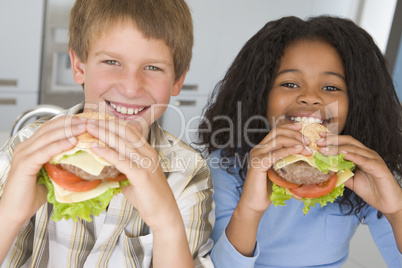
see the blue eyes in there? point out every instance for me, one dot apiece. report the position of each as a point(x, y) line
point(111, 62)
point(152, 68)
point(116, 63)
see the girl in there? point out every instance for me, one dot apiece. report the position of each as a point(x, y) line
point(330, 70)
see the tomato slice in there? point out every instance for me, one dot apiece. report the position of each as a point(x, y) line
point(69, 181)
point(121, 177)
point(316, 190)
point(278, 180)
point(55, 171)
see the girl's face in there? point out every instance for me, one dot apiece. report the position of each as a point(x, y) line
point(310, 83)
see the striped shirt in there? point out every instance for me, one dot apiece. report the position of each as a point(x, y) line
point(118, 237)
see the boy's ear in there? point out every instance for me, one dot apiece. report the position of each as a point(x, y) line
point(179, 83)
point(77, 67)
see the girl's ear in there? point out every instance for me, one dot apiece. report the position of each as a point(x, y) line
point(77, 67)
point(179, 83)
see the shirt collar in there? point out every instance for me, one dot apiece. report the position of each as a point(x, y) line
point(164, 143)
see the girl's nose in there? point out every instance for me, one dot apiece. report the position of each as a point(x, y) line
point(310, 97)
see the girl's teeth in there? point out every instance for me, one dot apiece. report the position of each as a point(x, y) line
point(130, 111)
point(306, 119)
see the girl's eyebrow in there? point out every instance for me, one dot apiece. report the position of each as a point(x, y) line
point(287, 71)
point(297, 70)
point(337, 74)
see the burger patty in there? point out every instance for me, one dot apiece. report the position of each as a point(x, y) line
point(107, 172)
point(301, 172)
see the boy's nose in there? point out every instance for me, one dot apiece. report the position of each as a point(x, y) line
point(132, 84)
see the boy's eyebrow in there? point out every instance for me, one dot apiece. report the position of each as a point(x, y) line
point(113, 55)
point(297, 70)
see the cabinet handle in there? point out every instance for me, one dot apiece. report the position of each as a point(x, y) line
point(189, 87)
point(184, 103)
point(8, 101)
point(8, 82)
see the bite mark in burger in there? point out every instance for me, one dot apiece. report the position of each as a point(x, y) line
point(79, 182)
point(311, 179)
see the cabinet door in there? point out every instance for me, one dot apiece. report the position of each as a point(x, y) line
point(12, 105)
point(21, 23)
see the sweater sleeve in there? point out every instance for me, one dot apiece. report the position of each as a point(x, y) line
point(383, 237)
point(227, 189)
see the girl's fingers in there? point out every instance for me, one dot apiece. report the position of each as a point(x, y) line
point(332, 144)
point(284, 142)
point(264, 159)
point(288, 130)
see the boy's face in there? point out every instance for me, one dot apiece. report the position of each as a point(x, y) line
point(127, 75)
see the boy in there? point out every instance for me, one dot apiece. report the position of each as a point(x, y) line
point(130, 56)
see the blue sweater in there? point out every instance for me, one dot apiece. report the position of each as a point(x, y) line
point(288, 238)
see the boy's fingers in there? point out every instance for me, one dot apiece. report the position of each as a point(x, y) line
point(53, 135)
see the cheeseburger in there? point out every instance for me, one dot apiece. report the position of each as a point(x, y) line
point(311, 179)
point(79, 182)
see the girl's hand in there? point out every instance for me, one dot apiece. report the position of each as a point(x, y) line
point(132, 155)
point(22, 197)
point(280, 142)
point(373, 181)
point(255, 198)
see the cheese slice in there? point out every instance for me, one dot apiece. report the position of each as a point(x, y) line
point(298, 157)
point(343, 176)
point(84, 160)
point(65, 196)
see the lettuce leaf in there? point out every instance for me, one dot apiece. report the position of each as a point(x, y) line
point(79, 210)
point(324, 162)
point(279, 196)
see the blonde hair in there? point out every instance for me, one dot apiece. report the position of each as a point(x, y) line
point(160, 19)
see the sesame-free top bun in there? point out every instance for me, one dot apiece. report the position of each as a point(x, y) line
point(311, 130)
point(86, 140)
point(95, 115)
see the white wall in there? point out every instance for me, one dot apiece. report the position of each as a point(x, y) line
point(377, 16)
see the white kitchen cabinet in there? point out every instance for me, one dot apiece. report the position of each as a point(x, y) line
point(12, 104)
point(183, 115)
point(21, 23)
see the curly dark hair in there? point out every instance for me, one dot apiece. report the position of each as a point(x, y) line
point(374, 113)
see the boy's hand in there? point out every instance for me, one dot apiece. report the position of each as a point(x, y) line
point(22, 197)
point(132, 155)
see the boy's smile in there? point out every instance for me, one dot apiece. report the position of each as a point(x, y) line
point(310, 84)
point(127, 75)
